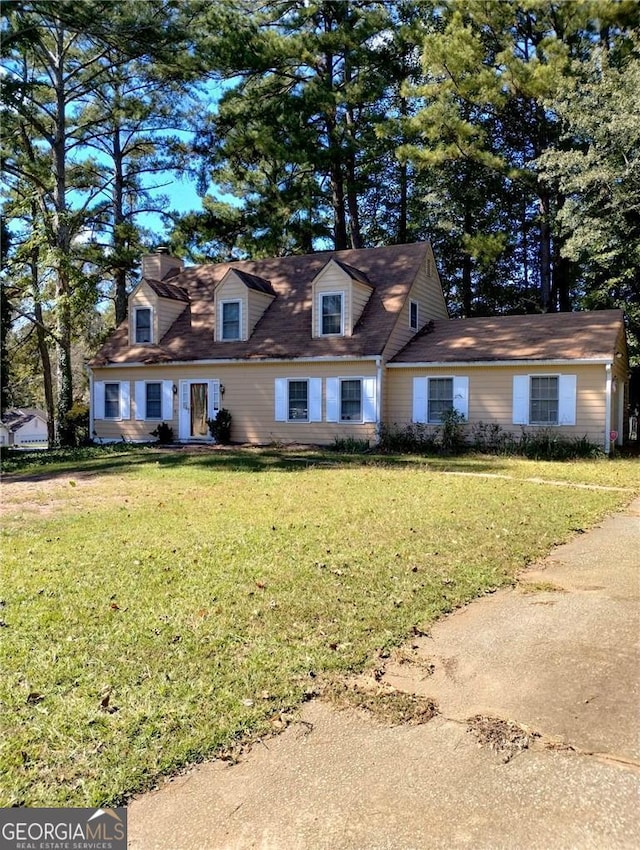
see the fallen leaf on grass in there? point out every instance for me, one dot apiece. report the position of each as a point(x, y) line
point(34, 698)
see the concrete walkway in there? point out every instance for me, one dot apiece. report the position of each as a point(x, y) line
point(536, 743)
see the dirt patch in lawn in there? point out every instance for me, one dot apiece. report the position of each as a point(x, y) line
point(38, 493)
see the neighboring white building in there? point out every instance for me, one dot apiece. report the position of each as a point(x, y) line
point(25, 426)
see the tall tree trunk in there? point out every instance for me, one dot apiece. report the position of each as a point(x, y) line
point(403, 189)
point(403, 174)
point(62, 248)
point(337, 188)
point(42, 340)
point(119, 242)
point(467, 269)
point(352, 202)
point(525, 250)
point(545, 254)
point(563, 272)
point(350, 160)
point(47, 377)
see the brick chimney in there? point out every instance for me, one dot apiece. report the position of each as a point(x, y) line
point(160, 264)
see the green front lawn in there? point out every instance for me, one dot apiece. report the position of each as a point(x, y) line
point(161, 610)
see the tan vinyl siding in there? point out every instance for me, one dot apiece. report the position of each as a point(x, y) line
point(620, 390)
point(143, 296)
point(167, 312)
point(258, 303)
point(164, 311)
point(231, 289)
point(360, 294)
point(491, 395)
point(249, 396)
point(332, 280)
point(426, 291)
point(355, 297)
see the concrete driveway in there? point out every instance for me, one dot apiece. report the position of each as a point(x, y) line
point(535, 744)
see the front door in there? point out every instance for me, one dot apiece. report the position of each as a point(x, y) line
point(198, 428)
point(199, 401)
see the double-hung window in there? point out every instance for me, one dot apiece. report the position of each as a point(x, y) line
point(331, 308)
point(298, 408)
point(351, 400)
point(298, 400)
point(440, 398)
point(230, 320)
point(153, 400)
point(434, 397)
point(112, 401)
point(142, 319)
point(543, 400)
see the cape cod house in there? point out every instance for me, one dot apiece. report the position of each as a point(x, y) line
point(304, 349)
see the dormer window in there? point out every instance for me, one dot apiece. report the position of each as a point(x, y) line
point(230, 320)
point(413, 315)
point(331, 313)
point(142, 321)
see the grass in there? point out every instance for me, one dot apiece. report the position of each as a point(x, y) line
point(161, 611)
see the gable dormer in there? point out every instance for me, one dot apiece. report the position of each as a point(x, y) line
point(424, 302)
point(154, 305)
point(240, 301)
point(339, 295)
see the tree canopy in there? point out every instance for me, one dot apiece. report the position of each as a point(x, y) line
point(506, 132)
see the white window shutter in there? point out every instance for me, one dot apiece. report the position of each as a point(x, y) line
point(333, 391)
point(567, 395)
point(282, 400)
point(214, 399)
point(125, 400)
point(167, 401)
point(98, 400)
point(461, 396)
point(520, 399)
point(141, 399)
point(369, 407)
point(419, 400)
point(315, 399)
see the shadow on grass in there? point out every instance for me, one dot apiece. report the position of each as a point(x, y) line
point(122, 458)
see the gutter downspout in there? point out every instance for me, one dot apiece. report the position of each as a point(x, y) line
point(607, 409)
point(91, 412)
point(379, 397)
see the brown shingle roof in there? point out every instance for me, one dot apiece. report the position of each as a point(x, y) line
point(550, 336)
point(168, 290)
point(254, 282)
point(284, 331)
point(354, 273)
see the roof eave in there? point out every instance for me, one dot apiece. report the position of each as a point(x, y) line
point(449, 364)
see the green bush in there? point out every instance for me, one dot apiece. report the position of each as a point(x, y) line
point(220, 427)
point(164, 433)
point(549, 445)
point(77, 424)
point(487, 438)
point(415, 438)
point(450, 433)
point(350, 446)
